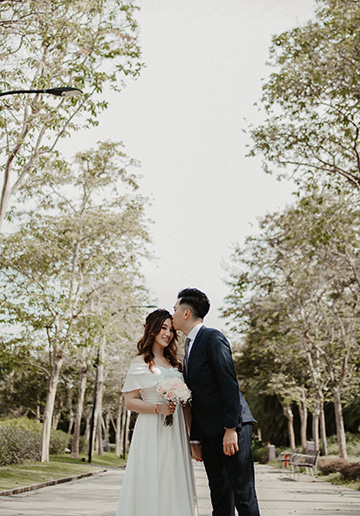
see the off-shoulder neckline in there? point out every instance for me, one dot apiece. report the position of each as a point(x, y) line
point(158, 366)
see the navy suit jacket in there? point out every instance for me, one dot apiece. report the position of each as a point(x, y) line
point(217, 402)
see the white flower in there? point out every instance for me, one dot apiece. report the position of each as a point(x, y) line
point(173, 390)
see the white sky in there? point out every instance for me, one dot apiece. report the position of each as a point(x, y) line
point(183, 120)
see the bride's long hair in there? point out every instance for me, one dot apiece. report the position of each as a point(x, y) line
point(153, 324)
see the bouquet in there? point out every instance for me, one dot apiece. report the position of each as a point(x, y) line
point(173, 390)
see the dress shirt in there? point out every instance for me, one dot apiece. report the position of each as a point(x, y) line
point(192, 336)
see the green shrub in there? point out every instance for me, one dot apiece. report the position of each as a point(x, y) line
point(18, 445)
point(83, 444)
point(59, 440)
point(351, 471)
point(332, 444)
point(261, 455)
point(352, 444)
point(20, 441)
point(22, 422)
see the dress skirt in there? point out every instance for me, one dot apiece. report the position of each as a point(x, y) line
point(159, 478)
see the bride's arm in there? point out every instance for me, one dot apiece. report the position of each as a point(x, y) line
point(134, 403)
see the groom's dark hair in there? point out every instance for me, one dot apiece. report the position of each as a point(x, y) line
point(197, 301)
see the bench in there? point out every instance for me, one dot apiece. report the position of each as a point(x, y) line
point(307, 461)
point(285, 457)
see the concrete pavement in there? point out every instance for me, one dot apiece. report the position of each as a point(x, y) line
point(278, 493)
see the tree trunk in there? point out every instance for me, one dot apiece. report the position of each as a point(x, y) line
point(55, 420)
point(324, 447)
point(5, 195)
point(340, 430)
point(71, 421)
point(107, 431)
point(56, 415)
point(49, 407)
point(99, 396)
point(99, 438)
point(38, 413)
point(123, 431)
point(319, 413)
point(303, 413)
point(79, 411)
point(71, 411)
point(87, 427)
point(127, 430)
point(118, 427)
point(315, 427)
point(290, 417)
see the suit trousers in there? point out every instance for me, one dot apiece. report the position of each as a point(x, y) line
point(231, 478)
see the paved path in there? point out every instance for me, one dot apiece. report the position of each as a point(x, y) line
point(279, 495)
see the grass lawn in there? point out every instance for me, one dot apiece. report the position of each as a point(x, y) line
point(60, 466)
point(108, 459)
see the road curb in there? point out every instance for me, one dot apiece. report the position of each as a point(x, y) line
point(33, 487)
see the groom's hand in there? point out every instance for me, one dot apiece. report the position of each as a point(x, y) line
point(230, 441)
point(196, 452)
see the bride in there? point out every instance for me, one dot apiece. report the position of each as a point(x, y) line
point(159, 479)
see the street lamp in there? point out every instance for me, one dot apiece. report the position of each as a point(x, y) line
point(66, 91)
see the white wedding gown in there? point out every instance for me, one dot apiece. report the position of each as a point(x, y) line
point(159, 478)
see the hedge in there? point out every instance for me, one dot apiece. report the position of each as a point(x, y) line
point(261, 455)
point(20, 441)
point(351, 471)
point(18, 445)
point(331, 466)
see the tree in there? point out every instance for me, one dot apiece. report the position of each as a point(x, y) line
point(55, 266)
point(312, 99)
point(270, 356)
point(88, 44)
point(298, 289)
point(113, 322)
point(22, 389)
point(84, 367)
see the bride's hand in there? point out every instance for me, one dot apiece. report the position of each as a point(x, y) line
point(196, 452)
point(166, 409)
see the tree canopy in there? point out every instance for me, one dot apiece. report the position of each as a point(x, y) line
point(75, 257)
point(88, 44)
point(295, 298)
point(312, 99)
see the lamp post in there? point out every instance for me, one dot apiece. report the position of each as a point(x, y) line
point(66, 91)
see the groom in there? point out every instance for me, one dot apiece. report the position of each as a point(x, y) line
point(221, 422)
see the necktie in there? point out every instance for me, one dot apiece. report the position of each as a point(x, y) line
point(186, 357)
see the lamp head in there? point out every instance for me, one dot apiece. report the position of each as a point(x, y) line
point(66, 91)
